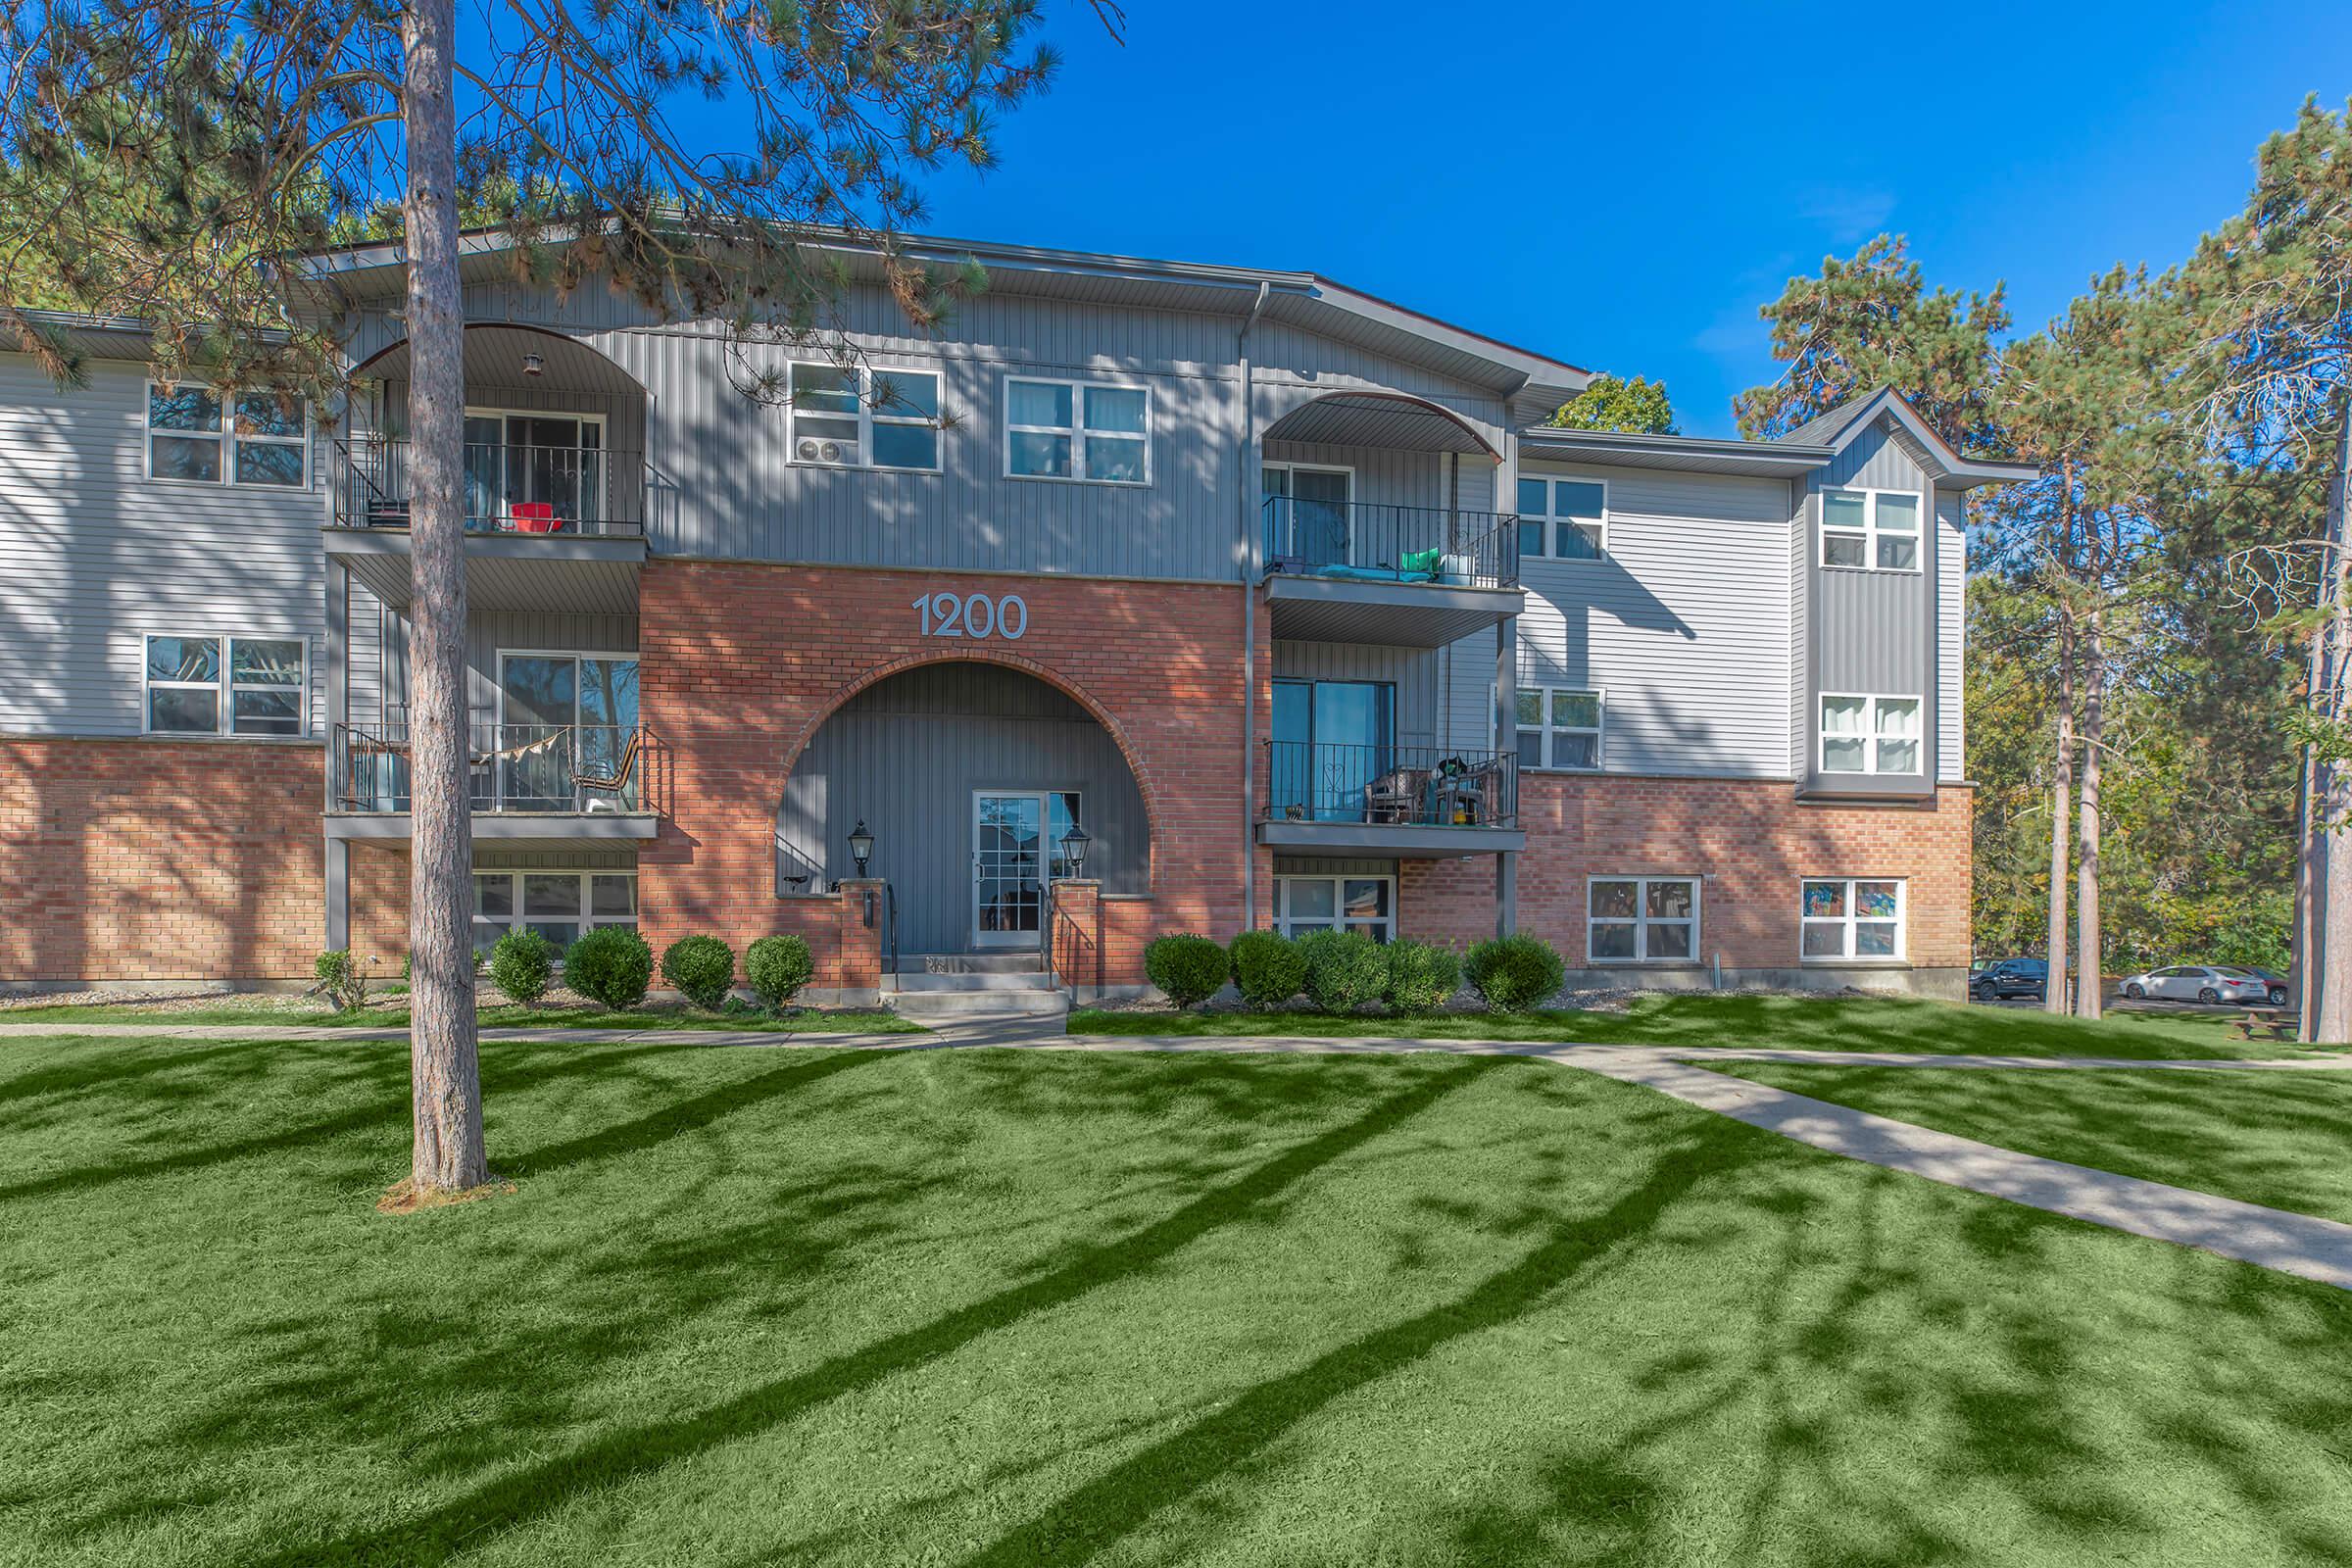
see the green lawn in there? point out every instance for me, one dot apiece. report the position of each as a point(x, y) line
point(2278, 1138)
point(503, 1015)
point(966, 1307)
point(1782, 1022)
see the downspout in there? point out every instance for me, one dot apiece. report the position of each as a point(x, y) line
point(1250, 572)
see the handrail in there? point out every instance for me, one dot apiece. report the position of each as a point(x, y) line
point(507, 488)
point(510, 768)
point(1377, 542)
point(1392, 786)
point(1056, 913)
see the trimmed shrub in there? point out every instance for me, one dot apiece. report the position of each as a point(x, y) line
point(1420, 977)
point(523, 964)
point(1188, 968)
point(1514, 972)
point(702, 968)
point(610, 965)
point(342, 978)
point(1344, 970)
point(777, 966)
point(1267, 968)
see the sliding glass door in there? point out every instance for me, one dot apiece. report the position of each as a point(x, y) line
point(1332, 738)
point(534, 471)
point(562, 717)
point(1310, 513)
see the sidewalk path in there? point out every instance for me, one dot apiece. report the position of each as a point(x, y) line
point(2301, 1244)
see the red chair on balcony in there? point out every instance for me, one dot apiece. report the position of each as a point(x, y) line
point(535, 517)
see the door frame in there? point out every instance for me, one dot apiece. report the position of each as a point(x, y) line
point(1294, 469)
point(999, 941)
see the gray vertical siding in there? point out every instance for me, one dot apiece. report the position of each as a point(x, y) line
point(99, 555)
point(905, 756)
point(1878, 631)
point(489, 632)
point(1685, 625)
point(1413, 671)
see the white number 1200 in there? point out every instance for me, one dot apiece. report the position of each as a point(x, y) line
point(976, 616)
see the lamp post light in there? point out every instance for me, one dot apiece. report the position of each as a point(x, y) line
point(1073, 849)
point(861, 846)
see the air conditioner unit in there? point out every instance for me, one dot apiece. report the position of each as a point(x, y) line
point(813, 450)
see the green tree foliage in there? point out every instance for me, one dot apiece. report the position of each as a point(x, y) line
point(1610, 403)
point(1871, 320)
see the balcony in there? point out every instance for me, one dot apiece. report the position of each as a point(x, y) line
point(567, 783)
point(1418, 802)
point(1357, 571)
point(548, 527)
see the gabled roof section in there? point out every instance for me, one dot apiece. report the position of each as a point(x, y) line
point(1302, 299)
point(1839, 428)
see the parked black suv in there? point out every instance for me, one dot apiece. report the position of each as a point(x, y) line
point(2010, 977)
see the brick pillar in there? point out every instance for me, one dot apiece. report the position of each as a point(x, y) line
point(861, 944)
point(1077, 935)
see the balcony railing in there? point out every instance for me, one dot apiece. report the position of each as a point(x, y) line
point(508, 489)
point(1373, 542)
point(510, 768)
point(1392, 786)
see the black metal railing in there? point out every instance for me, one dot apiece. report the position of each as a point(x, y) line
point(1380, 543)
point(1394, 786)
point(510, 768)
point(508, 489)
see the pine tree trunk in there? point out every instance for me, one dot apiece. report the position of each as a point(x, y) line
point(444, 1072)
point(2062, 788)
point(2090, 992)
point(2332, 809)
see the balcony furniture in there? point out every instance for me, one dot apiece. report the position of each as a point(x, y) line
point(615, 783)
point(535, 517)
point(1359, 541)
point(1394, 797)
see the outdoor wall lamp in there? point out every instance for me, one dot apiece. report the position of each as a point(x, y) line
point(533, 364)
point(861, 846)
point(1073, 848)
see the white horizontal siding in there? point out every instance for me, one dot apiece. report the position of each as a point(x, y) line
point(99, 555)
point(1687, 625)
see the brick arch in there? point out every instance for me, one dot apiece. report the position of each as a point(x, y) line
point(1137, 768)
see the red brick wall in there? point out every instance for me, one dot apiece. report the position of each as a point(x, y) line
point(147, 860)
point(1750, 839)
point(740, 663)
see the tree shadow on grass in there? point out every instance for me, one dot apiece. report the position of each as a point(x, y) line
point(542, 1488)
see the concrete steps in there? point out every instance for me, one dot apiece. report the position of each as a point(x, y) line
point(992, 986)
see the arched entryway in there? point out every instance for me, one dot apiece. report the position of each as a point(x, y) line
point(967, 774)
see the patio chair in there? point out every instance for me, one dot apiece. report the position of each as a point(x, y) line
point(1395, 795)
point(615, 782)
point(535, 517)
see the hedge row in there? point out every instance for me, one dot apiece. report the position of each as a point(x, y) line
point(1347, 972)
point(612, 967)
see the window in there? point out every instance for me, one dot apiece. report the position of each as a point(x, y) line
point(226, 686)
point(265, 440)
point(1870, 528)
point(1367, 904)
point(557, 905)
point(1642, 919)
point(1869, 734)
point(1559, 726)
point(1564, 518)
point(1851, 918)
point(1329, 740)
point(865, 418)
point(1077, 430)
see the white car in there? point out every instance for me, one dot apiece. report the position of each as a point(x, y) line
point(2199, 982)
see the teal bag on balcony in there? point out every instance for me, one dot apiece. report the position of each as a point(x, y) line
point(1423, 561)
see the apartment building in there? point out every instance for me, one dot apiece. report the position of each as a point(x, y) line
point(1143, 597)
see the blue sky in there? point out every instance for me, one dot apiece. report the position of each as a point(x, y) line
point(1622, 186)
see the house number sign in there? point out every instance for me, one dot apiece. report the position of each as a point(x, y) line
point(946, 615)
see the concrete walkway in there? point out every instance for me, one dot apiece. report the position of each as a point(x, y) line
point(2300, 1244)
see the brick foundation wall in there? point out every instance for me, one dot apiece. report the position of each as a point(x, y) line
point(148, 860)
point(1749, 840)
point(739, 664)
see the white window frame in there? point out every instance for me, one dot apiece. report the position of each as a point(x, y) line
point(226, 686)
point(576, 655)
point(1850, 919)
point(1554, 520)
point(1873, 733)
point(1295, 470)
point(228, 438)
point(1284, 922)
point(588, 920)
point(1600, 730)
point(1077, 431)
point(1643, 920)
point(1871, 531)
point(868, 415)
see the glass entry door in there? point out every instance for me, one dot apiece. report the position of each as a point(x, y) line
point(1009, 889)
